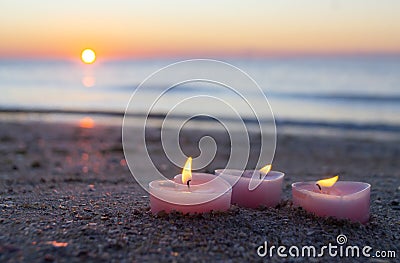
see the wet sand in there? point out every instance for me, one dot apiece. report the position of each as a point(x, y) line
point(66, 195)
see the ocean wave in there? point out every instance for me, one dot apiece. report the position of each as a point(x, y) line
point(389, 98)
point(280, 122)
point(339, 97)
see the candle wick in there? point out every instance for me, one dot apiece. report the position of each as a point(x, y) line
point(319, 187)
point(261, 175)
point(188, 183)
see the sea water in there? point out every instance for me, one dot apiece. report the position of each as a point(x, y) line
point(357, 91)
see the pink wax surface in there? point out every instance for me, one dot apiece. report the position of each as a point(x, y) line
point(343, 200)
point(206, 193)
point(267, 193)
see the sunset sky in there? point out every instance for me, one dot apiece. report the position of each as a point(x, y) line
point(47, 28)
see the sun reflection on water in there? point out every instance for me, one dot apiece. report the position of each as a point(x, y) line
point(87, 123)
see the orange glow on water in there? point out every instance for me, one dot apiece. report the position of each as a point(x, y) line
point(86, 122)
point(88, 81)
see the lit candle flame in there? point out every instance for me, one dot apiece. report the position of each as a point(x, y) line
point(187, 171)
point(328, 182)
point(266, 168)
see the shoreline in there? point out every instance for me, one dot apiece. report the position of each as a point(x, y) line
point(41, 113)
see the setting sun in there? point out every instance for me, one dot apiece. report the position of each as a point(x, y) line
point(88, 56)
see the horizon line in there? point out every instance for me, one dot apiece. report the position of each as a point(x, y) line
point(239, 55)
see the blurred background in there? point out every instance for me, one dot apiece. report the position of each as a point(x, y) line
point(321, 63)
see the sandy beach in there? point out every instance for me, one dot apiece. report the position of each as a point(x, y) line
point(67, 195)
